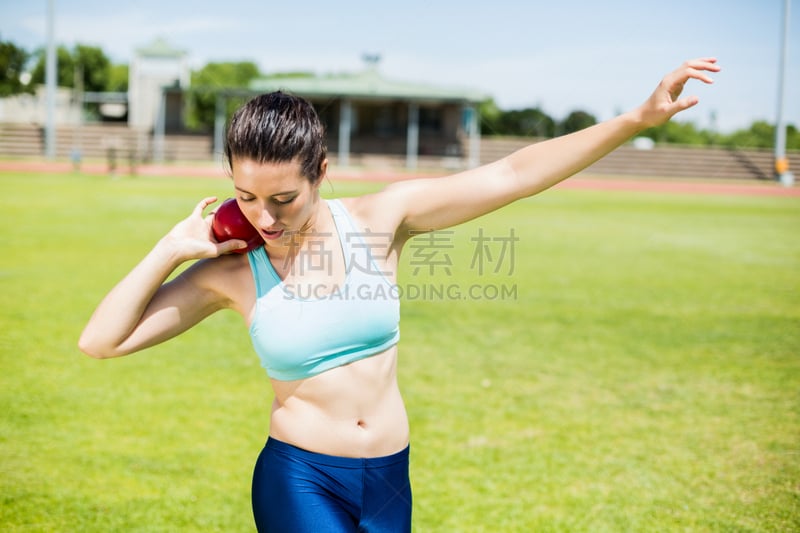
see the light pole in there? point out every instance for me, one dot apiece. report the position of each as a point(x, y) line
point(50, 83)
point(781, 161)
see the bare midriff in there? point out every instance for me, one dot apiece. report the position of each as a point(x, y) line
point(355, 410)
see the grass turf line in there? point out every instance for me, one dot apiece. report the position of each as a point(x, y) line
point(645, 376)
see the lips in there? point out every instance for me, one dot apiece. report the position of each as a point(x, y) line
point(272, 235)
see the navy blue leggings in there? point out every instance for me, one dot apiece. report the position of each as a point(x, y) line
point(297, 491)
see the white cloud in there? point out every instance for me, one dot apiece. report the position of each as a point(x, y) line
point(120, 33)
point(606, 61)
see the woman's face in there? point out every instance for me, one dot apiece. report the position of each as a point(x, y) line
point(275, 197)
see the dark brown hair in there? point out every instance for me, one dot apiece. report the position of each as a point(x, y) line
point(277, 128)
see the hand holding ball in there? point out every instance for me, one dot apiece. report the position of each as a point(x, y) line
point(229, 223)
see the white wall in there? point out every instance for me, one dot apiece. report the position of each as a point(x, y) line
point(32, 108)
point(147, 75)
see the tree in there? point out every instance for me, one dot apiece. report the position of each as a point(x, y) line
point(90, 60)
point(489, 114)
point(65, 71)
point(576, 121)
point(207, 82)
point(95, 66)
point(118, 79)
point(676, 132)
point(761, 134)
point(523, 122)
point(12, 64)
point(792, 138)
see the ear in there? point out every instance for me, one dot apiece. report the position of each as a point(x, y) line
point(323, 172)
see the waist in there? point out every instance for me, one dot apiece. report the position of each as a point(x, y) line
point(353, 411)
point(356, 438)
point(336, 460)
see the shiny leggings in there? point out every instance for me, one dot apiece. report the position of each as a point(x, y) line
point(298, 491)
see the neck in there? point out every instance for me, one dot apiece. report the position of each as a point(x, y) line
point(290, 244)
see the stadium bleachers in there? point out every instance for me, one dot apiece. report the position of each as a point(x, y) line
point(665, 161)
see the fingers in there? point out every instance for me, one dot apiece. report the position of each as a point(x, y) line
point(232, 245)
point(696, 69)
point(698, 75)
point(708, 63)
point(205, 202)
point(685, 103)
point(666, 100)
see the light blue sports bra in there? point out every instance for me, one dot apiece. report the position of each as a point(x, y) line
point(298, 337)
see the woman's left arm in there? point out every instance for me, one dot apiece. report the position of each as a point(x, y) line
point(437, 203)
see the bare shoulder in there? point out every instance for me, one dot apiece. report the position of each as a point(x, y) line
point(418, 205)
point(380, 211)
point(228, 277)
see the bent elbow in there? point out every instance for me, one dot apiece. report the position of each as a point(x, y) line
point(91, 351)
point(94, 349)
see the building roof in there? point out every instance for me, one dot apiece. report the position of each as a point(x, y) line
point(367, 84)
point(159, 47)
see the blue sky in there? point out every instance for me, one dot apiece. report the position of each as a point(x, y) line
point(561, 55)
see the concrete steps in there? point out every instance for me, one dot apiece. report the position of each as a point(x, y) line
point(98, 140)
point(664, 160)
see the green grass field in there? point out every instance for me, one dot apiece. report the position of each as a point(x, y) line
point(642, 372)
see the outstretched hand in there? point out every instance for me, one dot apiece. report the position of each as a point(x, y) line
point(665, 101)
point(193, 237)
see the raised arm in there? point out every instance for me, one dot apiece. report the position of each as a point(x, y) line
point(437, 203)
point(142, 310)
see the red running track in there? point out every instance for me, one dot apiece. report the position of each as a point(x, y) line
point(578, 182)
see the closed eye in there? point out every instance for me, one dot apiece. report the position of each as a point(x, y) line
point(284, 202)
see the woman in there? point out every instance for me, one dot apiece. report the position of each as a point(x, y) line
point(337, 454)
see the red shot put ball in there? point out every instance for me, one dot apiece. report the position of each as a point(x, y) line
point(229, 223)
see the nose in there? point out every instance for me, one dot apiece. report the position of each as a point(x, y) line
point(265, 218)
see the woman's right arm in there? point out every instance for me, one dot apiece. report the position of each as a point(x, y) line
point(142, 310)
